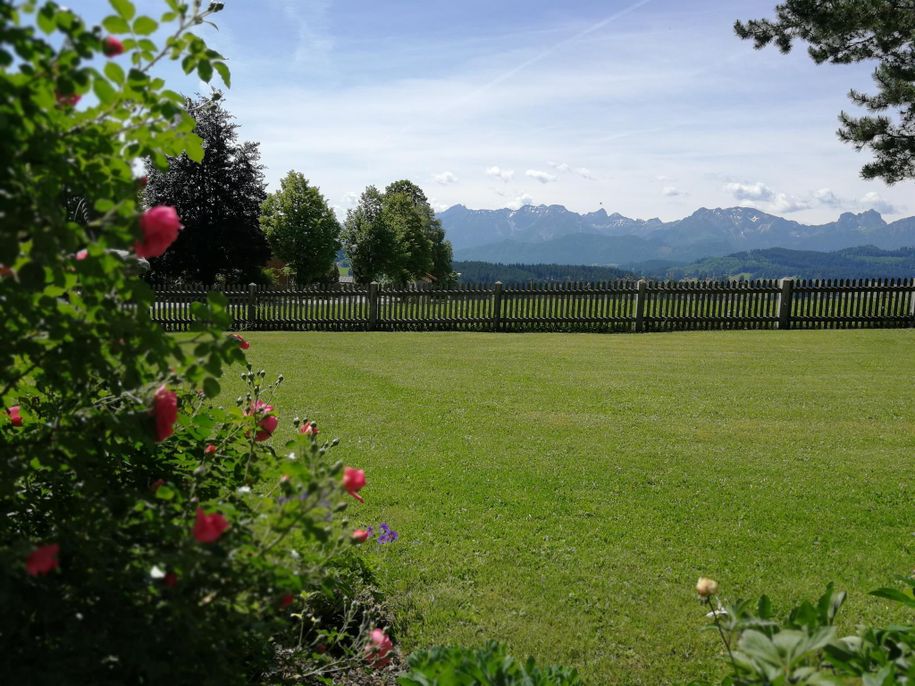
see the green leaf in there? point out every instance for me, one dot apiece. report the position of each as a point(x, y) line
point(894, 594)
point(144, 26)
point(123, 7)
point(165, 492)
point(103, 91)
point(46, 20)
point(116, 25)
point(114, 72)
point(223, 73)
point(211, 387)
point(205, 70)
point(194, 147)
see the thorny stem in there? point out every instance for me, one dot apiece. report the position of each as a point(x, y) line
point(727, 643)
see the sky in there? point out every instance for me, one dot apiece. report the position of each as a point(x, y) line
point(650, 108)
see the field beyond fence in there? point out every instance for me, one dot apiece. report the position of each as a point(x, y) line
point(622, 306)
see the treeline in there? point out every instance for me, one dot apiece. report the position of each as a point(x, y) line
point(489, 272)
point(866, 262)
point(233, 228)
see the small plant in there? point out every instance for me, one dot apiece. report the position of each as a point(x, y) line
point(489, 665)
point(804, 647)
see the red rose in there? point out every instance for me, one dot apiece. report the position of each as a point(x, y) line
point(360, 536)
point(15, 417)
point(170, 579)
point(286, 601)
point(112, 47)
point(160, 226)
point(42, 560)
point(377, 649)
point(165, 412)
point(353, 482)
point(210, 449)
point(208, 528)
point(242, 343)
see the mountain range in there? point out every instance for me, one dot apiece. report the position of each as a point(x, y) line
point(553, 234)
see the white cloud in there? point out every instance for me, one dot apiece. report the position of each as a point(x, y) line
point(827, 198)
point(584, 173)
point(520, 201)
point(788, 203)
point(505, 174)
point(445, 178)
point(541, 176)
point(560, 166)
point(874, 201)
point(672, 192)
point(751, 191)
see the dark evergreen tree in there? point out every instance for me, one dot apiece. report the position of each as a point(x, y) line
point(218, 201)
point(847, 31)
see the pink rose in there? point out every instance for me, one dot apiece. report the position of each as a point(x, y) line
point(160, 226)
point(242, 343)
point(309, 429)
point(360, 536)
point(112, 47)
point(268, 424)
point(42, 560)
point(165, 412)
point(353, 482)
point(15, 417)
point(68, 99)
point(208, 528)
point(377, 649)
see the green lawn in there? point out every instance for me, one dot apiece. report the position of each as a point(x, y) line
point(563, 492)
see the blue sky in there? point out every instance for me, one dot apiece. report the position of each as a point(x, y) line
point(644, 107)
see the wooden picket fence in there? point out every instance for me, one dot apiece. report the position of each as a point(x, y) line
point(638, 306)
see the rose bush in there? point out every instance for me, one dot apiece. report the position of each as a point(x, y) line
point(146, 535)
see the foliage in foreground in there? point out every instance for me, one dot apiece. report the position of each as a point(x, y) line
point(849, 31)
point(804, 648)
point(149, 535)
point(489, 665)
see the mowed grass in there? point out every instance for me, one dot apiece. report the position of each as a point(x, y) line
point(562, 493)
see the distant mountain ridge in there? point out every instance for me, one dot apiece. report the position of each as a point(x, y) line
point(555, 235)
point(864, 262)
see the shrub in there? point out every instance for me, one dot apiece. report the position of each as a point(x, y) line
point(149, 534)
point(489, 665)
point(804, 647)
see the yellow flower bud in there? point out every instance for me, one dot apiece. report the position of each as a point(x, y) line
point(706, 587)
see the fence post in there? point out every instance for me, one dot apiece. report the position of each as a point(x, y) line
point(497, 306)
point(785, 298)
point(251, 317)
point(640, 306)
point(373, 305)
point(912, 305)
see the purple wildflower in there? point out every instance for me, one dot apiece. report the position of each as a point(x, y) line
point(387, 535)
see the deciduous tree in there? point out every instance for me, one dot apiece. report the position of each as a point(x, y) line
point(301, 228)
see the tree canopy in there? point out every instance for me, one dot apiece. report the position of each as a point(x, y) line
point(395, 235)
point(218, 199)
point(301, 228)
point(848, 31)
